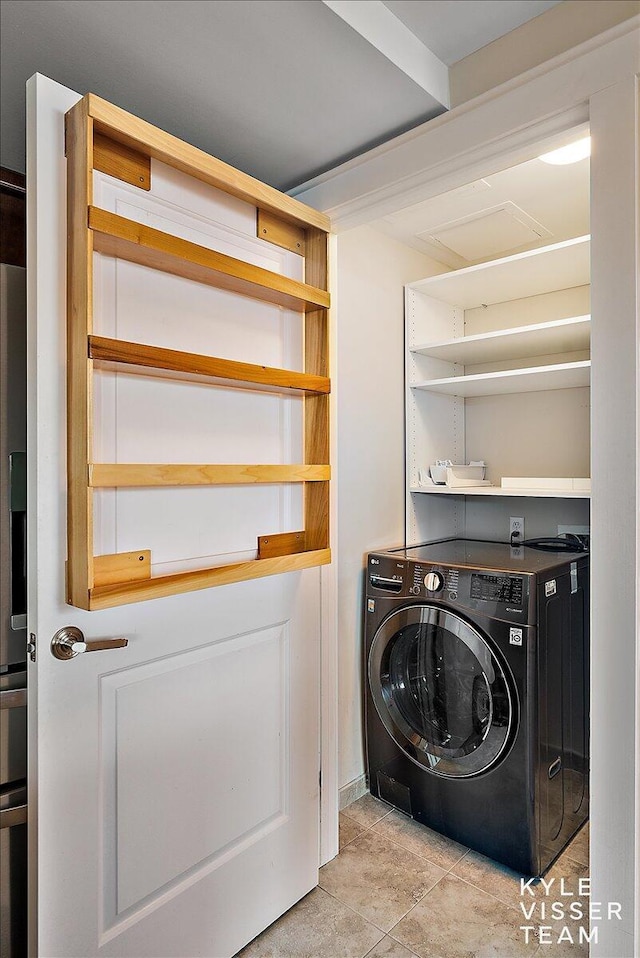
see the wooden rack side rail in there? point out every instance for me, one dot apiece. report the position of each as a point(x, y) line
point(127, 239)
point(162, 362)
point(316, 407)
point(100, 136)
point(79, 145)
point(104, 475)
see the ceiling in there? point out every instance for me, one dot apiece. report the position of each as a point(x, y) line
point(532, 204)
point(282, 89)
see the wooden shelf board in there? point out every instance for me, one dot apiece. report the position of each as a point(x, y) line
point(142, 136)
point(531, 379)
point(105, 597)
point(121, 475)
point(539, 339)
point(536, 271)
point(534, 493)
point(174, 364)
point(118, 236)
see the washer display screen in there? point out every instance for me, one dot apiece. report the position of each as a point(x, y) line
point(497, 588)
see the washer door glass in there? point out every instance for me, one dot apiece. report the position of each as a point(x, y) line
point(441, 692)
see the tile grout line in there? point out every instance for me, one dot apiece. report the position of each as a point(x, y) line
point(366, 827)
point(391, 841)
point(387, 935)
point(449, 871)
point(382, 840)
point(446, 872)
point(361, 917)
point(485, 892)
point(471, 885)
point(423, 857)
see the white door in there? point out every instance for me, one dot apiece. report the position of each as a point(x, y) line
point(174, 782)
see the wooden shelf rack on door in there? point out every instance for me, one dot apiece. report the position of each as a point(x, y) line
point(103, 137)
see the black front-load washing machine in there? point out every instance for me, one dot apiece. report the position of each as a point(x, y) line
point(477, 708)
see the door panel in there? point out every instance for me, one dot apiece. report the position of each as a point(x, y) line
point(149, 713)
point(200, 423)
point(174, 782)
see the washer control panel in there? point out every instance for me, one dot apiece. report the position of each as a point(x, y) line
point(434, 582)
point(498, 594)
point(388, 575)
point(439, 582)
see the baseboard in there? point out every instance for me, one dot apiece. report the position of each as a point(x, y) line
point(353, 791)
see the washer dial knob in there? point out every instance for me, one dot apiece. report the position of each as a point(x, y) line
point(433, 581)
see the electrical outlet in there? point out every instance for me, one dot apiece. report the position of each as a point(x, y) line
point(516, 529)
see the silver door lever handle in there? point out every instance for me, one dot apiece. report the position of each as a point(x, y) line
point(70, 641)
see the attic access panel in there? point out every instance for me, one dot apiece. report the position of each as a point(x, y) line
point(486, 233)
point(101, 136)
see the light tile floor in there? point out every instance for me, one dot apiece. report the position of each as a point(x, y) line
point(400, 890)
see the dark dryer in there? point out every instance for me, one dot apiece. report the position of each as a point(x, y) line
point(477, 700)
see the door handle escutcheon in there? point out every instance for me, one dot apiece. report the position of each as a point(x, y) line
point(70, 641)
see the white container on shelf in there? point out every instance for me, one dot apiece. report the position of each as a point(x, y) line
point(457, 475)
point(465, 475)
point(438, 474)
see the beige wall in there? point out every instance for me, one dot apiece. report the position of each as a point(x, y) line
point(552, 33)
point(372, 269)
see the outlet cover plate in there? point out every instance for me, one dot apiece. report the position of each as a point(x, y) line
point(516, 528)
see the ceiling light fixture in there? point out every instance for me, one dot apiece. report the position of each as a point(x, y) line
point(571, 153)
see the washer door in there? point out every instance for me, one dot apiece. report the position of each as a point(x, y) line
point(440, 691)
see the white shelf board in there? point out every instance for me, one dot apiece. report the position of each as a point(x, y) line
point(538, 339)
point(536, 271)
point(501, 491)
point(529, 379)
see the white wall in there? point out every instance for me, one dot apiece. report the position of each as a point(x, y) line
point(615, 652)
point(372, 269)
